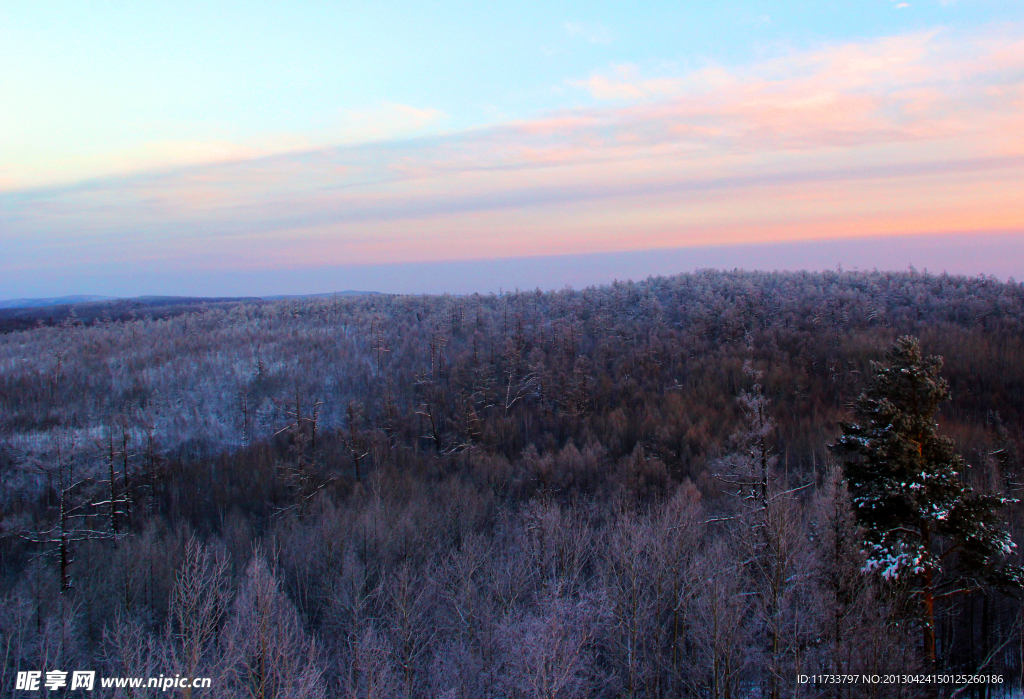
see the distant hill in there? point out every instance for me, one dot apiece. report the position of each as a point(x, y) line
point(13, 318)
point(23, 314)
point(322, 296)
point(56, 301)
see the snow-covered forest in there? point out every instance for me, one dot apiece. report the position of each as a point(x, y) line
point(622, 491)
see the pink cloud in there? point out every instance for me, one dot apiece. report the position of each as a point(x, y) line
point(901, 88)
point(626, 85)
point(924, 85)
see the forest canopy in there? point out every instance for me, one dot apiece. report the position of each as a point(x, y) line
point(519, 494)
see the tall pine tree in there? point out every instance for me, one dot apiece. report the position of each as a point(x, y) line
point(923, 525)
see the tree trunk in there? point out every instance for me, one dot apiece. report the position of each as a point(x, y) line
point(929, 603)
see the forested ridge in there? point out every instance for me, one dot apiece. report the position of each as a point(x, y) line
point(518, 495)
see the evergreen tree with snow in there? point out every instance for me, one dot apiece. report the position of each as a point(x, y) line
point(923, 525)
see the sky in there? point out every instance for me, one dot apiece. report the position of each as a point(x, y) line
point(222, 148)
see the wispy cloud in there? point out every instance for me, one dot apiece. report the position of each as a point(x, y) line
point(624, 83)
point(915, 133)
point(595, 34)
point(386, 121)
point(380, 122)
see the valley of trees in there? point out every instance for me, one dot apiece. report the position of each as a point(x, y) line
point(636, 490)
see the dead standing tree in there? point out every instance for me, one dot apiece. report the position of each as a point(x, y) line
point(354, 438)
point(118, 485)
point(151, 466)
point(378, 343)
point(302, 474)
point(430, 409)
point(74, 511)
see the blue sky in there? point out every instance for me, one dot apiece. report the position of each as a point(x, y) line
point(210, 141)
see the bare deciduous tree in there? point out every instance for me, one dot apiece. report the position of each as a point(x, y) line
point(267, 653)
point(199, 605)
